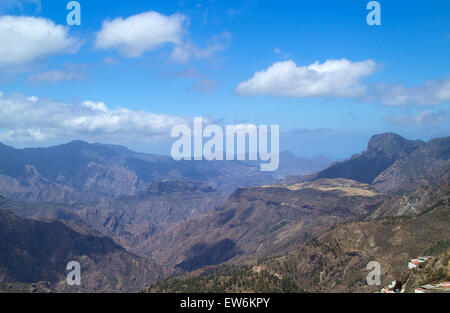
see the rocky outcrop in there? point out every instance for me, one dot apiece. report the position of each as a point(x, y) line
point(382, 151)
point(420, 163)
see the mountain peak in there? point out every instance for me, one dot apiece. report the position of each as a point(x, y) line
point(383, 150)
point(380, 139)
point(78, 143)
point(392, 144)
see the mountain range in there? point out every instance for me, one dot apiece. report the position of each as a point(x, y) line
point(79, 172)
point(187, 225)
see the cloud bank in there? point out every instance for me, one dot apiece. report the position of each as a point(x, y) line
point(140, 33)
point(25, 39)
point(341, 79)
point(423, 119)
point(432, 92)
point(30, 119)
point(333, 78)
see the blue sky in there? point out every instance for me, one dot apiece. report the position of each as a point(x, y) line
point(204, 62)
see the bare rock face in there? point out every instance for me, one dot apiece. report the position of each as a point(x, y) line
point(392, 145)
point(382, 151)
point(177, 186)
point(34, 187)
point(422, 162)
point(131, 220)
point(413, 197)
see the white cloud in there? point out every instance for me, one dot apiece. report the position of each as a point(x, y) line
point(95, 106)
point(24, 136)
point(140, 33)
point(37, 119)
point(333, 78)
point(25, 39)
point(149, 31)
point(430, 93)
point(424, 119)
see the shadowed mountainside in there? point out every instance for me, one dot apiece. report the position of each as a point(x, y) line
point(130, 219)
point(35, 251)
point(382, 151)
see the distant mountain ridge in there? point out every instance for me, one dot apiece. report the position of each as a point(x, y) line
point(79, 172)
